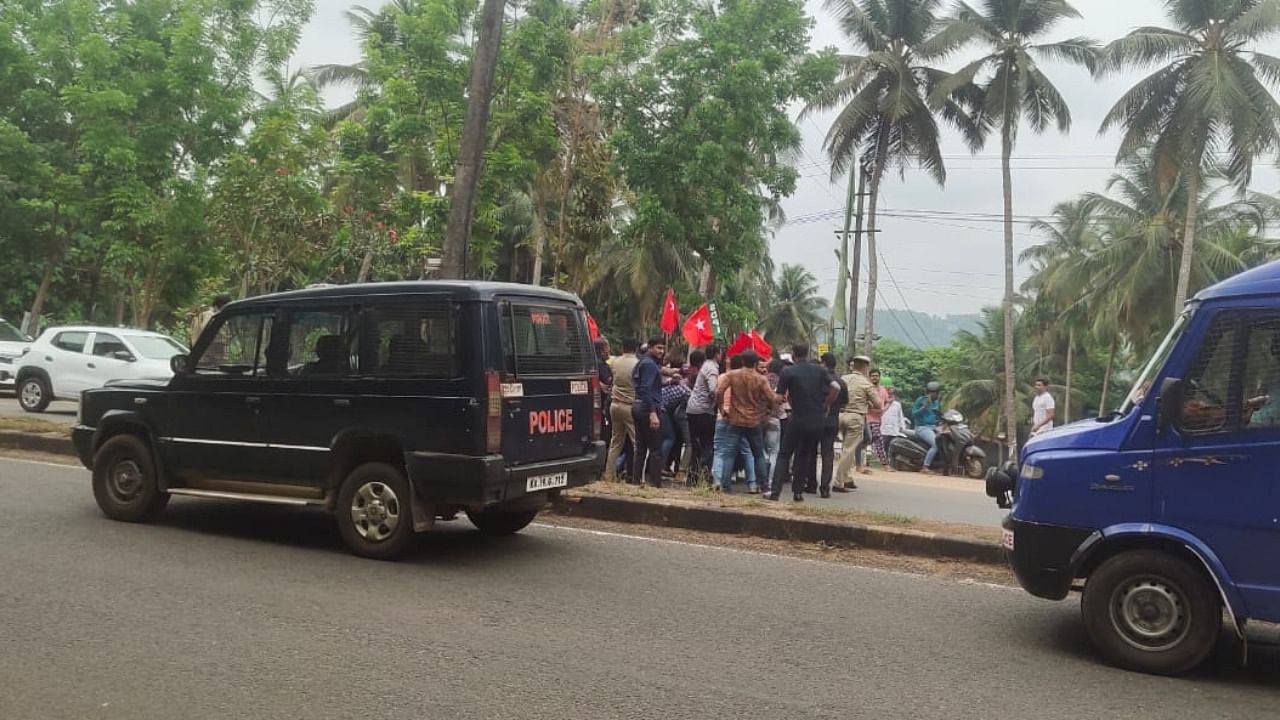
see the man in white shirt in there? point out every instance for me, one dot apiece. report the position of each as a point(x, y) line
point(1042, 408)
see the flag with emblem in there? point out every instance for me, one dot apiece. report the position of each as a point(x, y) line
point(697, 328)
point(670, 313)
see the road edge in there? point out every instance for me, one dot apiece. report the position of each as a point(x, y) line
point(35, 442)
point(731, 521)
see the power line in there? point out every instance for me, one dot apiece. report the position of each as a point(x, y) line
point(889, 271)
point(894, 314)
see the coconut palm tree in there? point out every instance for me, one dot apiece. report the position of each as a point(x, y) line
point(1211, 97)
point(796, 310)
point(885, 111)
point(1015, 89)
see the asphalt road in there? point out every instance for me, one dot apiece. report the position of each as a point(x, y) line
point(958, 500)
point(223, 610)
point(59, 412)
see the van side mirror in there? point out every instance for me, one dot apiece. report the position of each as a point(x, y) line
point(179, 364)
point(1169, 403)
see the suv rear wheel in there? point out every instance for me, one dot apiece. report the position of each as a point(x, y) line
point(125, 482)
point(1152, 612)
point(497, 523)
point(374, 511)
point(34, 394)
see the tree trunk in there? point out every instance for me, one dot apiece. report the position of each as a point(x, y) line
point(855, 276)
point(1010, 372)
point(366, 266)
point(1106, 376)
point(873, 267)
point(42, 293)
point(118, 320)
point(838, 310)
point(1066, 403)
point(472, 145)
point(1188, 240)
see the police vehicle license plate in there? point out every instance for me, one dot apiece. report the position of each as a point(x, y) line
point(1006, 539)
point(546, 482)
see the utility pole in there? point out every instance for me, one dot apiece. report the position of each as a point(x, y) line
point(838, 316)
point(475, 130)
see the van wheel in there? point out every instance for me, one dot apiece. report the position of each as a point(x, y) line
point(497, 523)
point(1152, 612)
point(34, 394)
point(374, 512)
point(124, 480)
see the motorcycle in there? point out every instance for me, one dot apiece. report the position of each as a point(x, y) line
point(957, 453)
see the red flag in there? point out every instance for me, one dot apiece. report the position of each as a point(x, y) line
point(762, 348)
point(670, 313)
point(591, 325)
point(742, 344)
point(697, 328)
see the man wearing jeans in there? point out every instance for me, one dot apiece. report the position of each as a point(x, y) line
point(648, 415)
point(745, 400)
point(925, 415)
point(701, 411)
point(811, 390)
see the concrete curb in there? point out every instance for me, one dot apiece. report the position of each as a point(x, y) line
point(729, 521)
point(738, 522)
point(35, 442)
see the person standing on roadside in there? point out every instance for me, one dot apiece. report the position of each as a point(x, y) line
point(831, 427)
point(648, 415)
point(624, 397)
point(863, 397)
point(811, 391)
point(1042, 408)
point(891, 426)
point(746, 400)
point(605, 375)
point(701, 411)
point(925, 415)
point(772, 424)
point(872, 433)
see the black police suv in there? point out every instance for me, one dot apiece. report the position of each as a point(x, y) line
point(391, 404)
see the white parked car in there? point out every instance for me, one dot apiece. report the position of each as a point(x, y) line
point(65, 361)
point(13, 343)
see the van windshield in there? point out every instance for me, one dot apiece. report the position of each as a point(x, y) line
point(1143, 384)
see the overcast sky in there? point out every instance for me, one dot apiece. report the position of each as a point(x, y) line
point(943, 247)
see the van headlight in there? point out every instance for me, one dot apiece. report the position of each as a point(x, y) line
point(1031, 472)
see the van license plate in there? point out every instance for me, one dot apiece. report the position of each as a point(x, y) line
point(1006, 539)
point(546, 482)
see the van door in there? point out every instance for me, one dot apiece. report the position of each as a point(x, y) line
point(547, 380)
point(1216, 468)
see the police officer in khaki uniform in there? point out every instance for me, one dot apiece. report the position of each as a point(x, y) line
point(863, 396)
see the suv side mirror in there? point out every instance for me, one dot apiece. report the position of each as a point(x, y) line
point(1169, 403)
point(124, 355)
point(179, 364)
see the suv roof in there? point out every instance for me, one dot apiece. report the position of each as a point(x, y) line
point(100, 328)
point(453, 289)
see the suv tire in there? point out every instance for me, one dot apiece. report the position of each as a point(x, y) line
point(34, 394)
point(125, 480)
point(498, 523)
point(375, 514)
point(1151, 612)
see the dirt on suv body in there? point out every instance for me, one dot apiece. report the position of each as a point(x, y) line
point(392, 404)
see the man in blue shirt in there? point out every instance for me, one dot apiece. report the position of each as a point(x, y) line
point(925, 415)
point(646, 464)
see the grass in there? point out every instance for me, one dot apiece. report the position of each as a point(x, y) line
point(32, 425)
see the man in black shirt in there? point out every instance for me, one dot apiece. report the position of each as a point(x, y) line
point(811, 392)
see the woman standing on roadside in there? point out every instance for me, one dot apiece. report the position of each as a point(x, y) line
point(874, 417)
point(889, 427)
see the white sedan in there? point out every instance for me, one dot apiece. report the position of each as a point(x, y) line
point(65, 361)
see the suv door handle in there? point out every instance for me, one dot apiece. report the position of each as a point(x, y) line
point(92, 365)
point(48, 358)
point(253, 401)
point(342, 402)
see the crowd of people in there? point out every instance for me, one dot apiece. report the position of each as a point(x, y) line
point(763, 422)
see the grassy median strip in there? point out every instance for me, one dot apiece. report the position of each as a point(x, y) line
point(33, 425)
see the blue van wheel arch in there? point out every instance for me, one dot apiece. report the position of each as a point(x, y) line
point(1112, 541)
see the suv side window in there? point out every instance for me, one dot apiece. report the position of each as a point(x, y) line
point(105, 345)
point(1210, 379)
point(238, 347)
point(71, 341)
point(544, 340)
point(322, 343)
point(411, 340)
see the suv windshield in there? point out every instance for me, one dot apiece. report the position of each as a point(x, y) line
point(9, 333)
point(1140, 387)
point(155, 348)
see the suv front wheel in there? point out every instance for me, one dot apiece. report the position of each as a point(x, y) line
point(374, 511)
point(34, 394)
point(124, 480)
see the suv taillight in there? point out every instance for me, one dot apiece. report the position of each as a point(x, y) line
point(493, 413)
point(597, 408)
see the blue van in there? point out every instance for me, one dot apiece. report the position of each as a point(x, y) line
point(1166, 511)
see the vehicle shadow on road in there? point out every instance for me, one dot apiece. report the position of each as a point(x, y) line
point(1063, 634)
point(450, 543)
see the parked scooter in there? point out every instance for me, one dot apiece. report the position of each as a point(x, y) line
point(957, 453)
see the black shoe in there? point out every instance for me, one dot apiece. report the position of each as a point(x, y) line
point(799, 497)
point(772, 496)
point(840, 488)
point(811, 489)
point(825, 494)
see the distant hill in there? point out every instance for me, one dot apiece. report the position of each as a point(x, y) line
point(916, 328)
